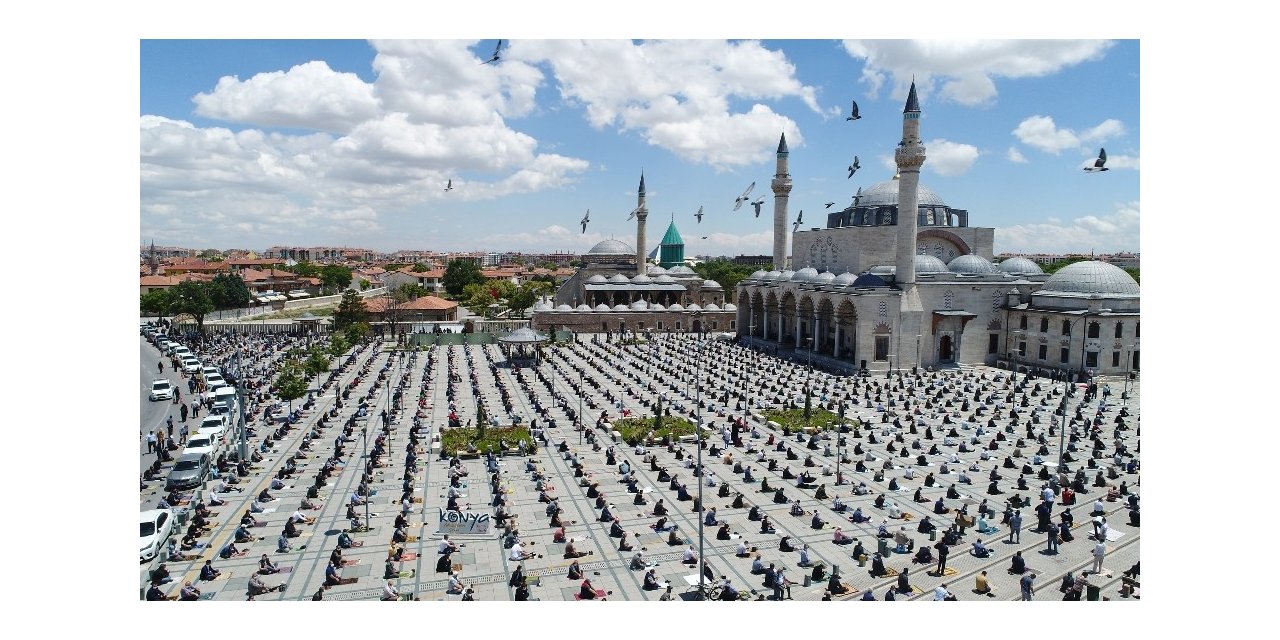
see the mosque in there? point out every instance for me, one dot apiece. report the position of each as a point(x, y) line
point(878, 291)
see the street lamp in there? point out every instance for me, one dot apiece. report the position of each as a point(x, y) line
point(808, 385)
point(1128, 357)
point(244, 436)
point(702, 477)
point(918, 351)
point(1017, 335)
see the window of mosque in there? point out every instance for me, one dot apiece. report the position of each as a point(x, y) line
point(678, 327)
point(604, 327)
point(1064, 355)
point(1044, 325)
point(1022, 349)
point(1115, 358)
point(733, 325)
point(1119, 329)
point(659, 325)
point(993, 342)
point(1066, 327)
point(1137, 329)
point(882, 348)
point(1094, 329)
point(1022, 322)
point(1091, 359)
point(1044, 352)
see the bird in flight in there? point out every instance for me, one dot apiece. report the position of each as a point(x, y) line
point(449, 185)
point(853, 168)
point(828, 205)
point(737, 203)
point(698, 215)
point(854, 115)
point(756, 204)
point(585, 220)
point(705, 237)
point(799, 220)
point(1098, 164)
point(496, 54)
point(633, 213)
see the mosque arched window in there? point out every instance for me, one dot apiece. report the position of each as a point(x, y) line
point(1044, 325)
point(1094, 329)
point(1066, 327)
point(1022, 322)
point(1119, 329)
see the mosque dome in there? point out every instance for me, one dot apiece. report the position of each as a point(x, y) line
point(1090, 277)
point(564, 307)
point(682, 270)
point(655, 270)
point(869, 281)
point(612, 247)
point(693, 307)
point(657, 307)
point(711, 307)
point(806, 274)
point(583, 307)
point(597, 279)
point(602, 307)
point(929, 264)
point(1021, 266)
point(711, 284)
point(675, 307)
point(618, 278)
point(664, 279)
point(639, 305)
point(823, 279)
point(883, 270)
point(843, 280)
point(729, 306)
point(785, 275)
point(757, 275)
point(972, 264)
point(641, 279)
point(886, 193)
point(771, 276)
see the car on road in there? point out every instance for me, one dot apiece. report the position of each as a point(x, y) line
point(190, 364)
point(156, 526)
point(188, 472)
point(212, 421)
point(161, 389)
point(209, 371)
point(203, 443)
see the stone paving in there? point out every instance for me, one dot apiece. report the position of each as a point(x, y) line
point(609, 377)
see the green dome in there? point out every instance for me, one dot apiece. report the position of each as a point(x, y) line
point(672, 248)
point(673, 236)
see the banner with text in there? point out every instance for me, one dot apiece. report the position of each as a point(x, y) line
point(466, 523)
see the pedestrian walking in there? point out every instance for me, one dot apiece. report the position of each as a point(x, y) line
point(182, 409)
point(1028, 585)
point(1015, 526)
point(1099, 552)
point(151, 443)
point(943, 550)
point(1052, 540)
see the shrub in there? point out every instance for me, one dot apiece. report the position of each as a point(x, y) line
point(634, 430)
point(456, 440)
point(792, 420)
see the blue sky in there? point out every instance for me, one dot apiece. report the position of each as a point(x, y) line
point(251, 143)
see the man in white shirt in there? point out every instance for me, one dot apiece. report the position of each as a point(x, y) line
point(1099, 552)
point(447, 545)
point(390, 592)
point(518, 553)
point(940, 592)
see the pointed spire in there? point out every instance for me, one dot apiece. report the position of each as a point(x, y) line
point(642, 182)
point(913, 103)
point(782, 144)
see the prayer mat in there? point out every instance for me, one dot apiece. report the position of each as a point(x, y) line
point(208, 596)
point(350, 561)
point(949, 571)
point(348, 581)
point(409, 556)
point(285, 569)
point(408, 573)
point(412, 539)
point(889, 572)
point(457, 568)
point(916, 590)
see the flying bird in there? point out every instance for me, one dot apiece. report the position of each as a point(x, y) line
point(757, 204)
point(496, 54)
point(799, 220)
point(705, 237)
point(857, 196)
point(853, 168)
point(1098, 164)
point(737, 203)
point(854, 115)
point(633, 213)
point(828, 205)
point(449, 185)
point(585, 220)
point(698, 215)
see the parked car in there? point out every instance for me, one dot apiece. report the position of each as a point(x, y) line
point(202, 444)
point(190, 364)
point(189, 472)
point(205, 372)
point(156, 526)
point(161, 389)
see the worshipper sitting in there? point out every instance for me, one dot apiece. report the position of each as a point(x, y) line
point(754, 513)
point(785, 544)
point(903, 541)
point(895, 512)
point(924, 555)
point(919, 496)
point(980, 550)
point(857, 516)
point(839, 537)
point(796, 509)
point(926, 526)
point(1017, 565)
point(816, 522)
point(939, 507)
point(766, 526)
point(877, 566)
point(984, 527)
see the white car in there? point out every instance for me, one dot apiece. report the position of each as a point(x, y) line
point(209, 371)
point(161, 389)
point(217, 432)
point(203, 443)
point(156, 525)
point(213, 381)
point(212, 421)
point(190, 365)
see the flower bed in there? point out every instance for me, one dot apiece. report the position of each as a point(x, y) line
point(634, 430)
point(792, 420)
point(455, 440)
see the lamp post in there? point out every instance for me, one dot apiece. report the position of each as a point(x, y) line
point(918, 363)
point(244, 436)
point(1128, 357)
point(808, 382)
point(1017, 335)
point(702, 478)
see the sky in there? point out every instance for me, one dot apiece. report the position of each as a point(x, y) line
point(253, 143)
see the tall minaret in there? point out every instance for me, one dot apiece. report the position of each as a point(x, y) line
point(641, 214)
point(909, 156)
point(781, 193)
point(152, 262)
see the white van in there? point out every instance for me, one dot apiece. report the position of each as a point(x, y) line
point(227, 394)
point(182, 352)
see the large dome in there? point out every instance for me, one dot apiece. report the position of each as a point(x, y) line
point(1091, 276)
point(1021, 266)
point(929, 264)
point(612, 247)
point(972, 264)
point(886, 193)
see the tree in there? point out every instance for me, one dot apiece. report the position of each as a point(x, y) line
point(409, 291)
point(459, 274)
point(211, 255)
point(191, 298)
point(317, 361)
point(365, 284)
point(418, 267)
point(350, 311)
point(335, 277)
point(228, 291)
point(338, 345)
point(290, 385)
point(523, 298)
point(356, 332)
point(477, 297)
point(726, 272)
point(306, 270)
point(156, 301)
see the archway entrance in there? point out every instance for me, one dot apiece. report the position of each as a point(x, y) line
point(944, 349)
point(697, 326)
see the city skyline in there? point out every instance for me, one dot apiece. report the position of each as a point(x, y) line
point(349, 143)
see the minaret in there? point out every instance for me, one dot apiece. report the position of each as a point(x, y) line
point(909, 156)
point(641, 214)
point(781, 193)
point(151, 260)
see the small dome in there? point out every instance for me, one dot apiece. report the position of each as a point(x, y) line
point(1091, 276)
point(693, 307)
point(823, 278)
point(641, 279)
point(565, 307)
point(639, 305)
point(972, 264)
point(786, 275)
point(711, 307)
point(771, 276)
point(655, 270)
point(541, 306)
point(1021, 266)
point(582, 307)
point(806, 274)
point(620, 307)
point(869, 281)
point(729, 306)
point(682, 270)
point(618, 278)
point(757, 275)
point(657, 307)
point(884, 270)
point(597, 279)
point(843, 280)
point(664, 279)
point(929, 264)
point(602, 307)
point(612, 247)
point(675, 307)
point(711, 284)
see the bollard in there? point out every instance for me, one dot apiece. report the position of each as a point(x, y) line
point(933, 535)
point(1092, 592)
point(862, 560)
point(882, 545)
point(807, 581)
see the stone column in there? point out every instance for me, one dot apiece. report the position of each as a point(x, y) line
point(797, 329)
point(835, 349)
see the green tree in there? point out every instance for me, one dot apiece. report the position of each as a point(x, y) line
point(317, 362)
point(338, 345)
point(548, 265)
point(335, 277)
point(418, 267)
point(459, 274)
point(477, 297)
point(365, 284)
point(156, 301)
point(356, 332)
point(306, 270)
point(523, 297)
point(725, 272)
point(350, 311)
point(290, 385)
point(211, 255)
point(409, 291)
point(191, 298)
point(1054, 266)
point(228, 291)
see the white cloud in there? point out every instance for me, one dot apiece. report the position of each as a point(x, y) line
point(308, 96)
point(947, 158)
point(1115, 231)
point(1042, 133)
point(966, 69)
point(553, 237)
point(732, 244)
point(1013, 155)
point(677, 94)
